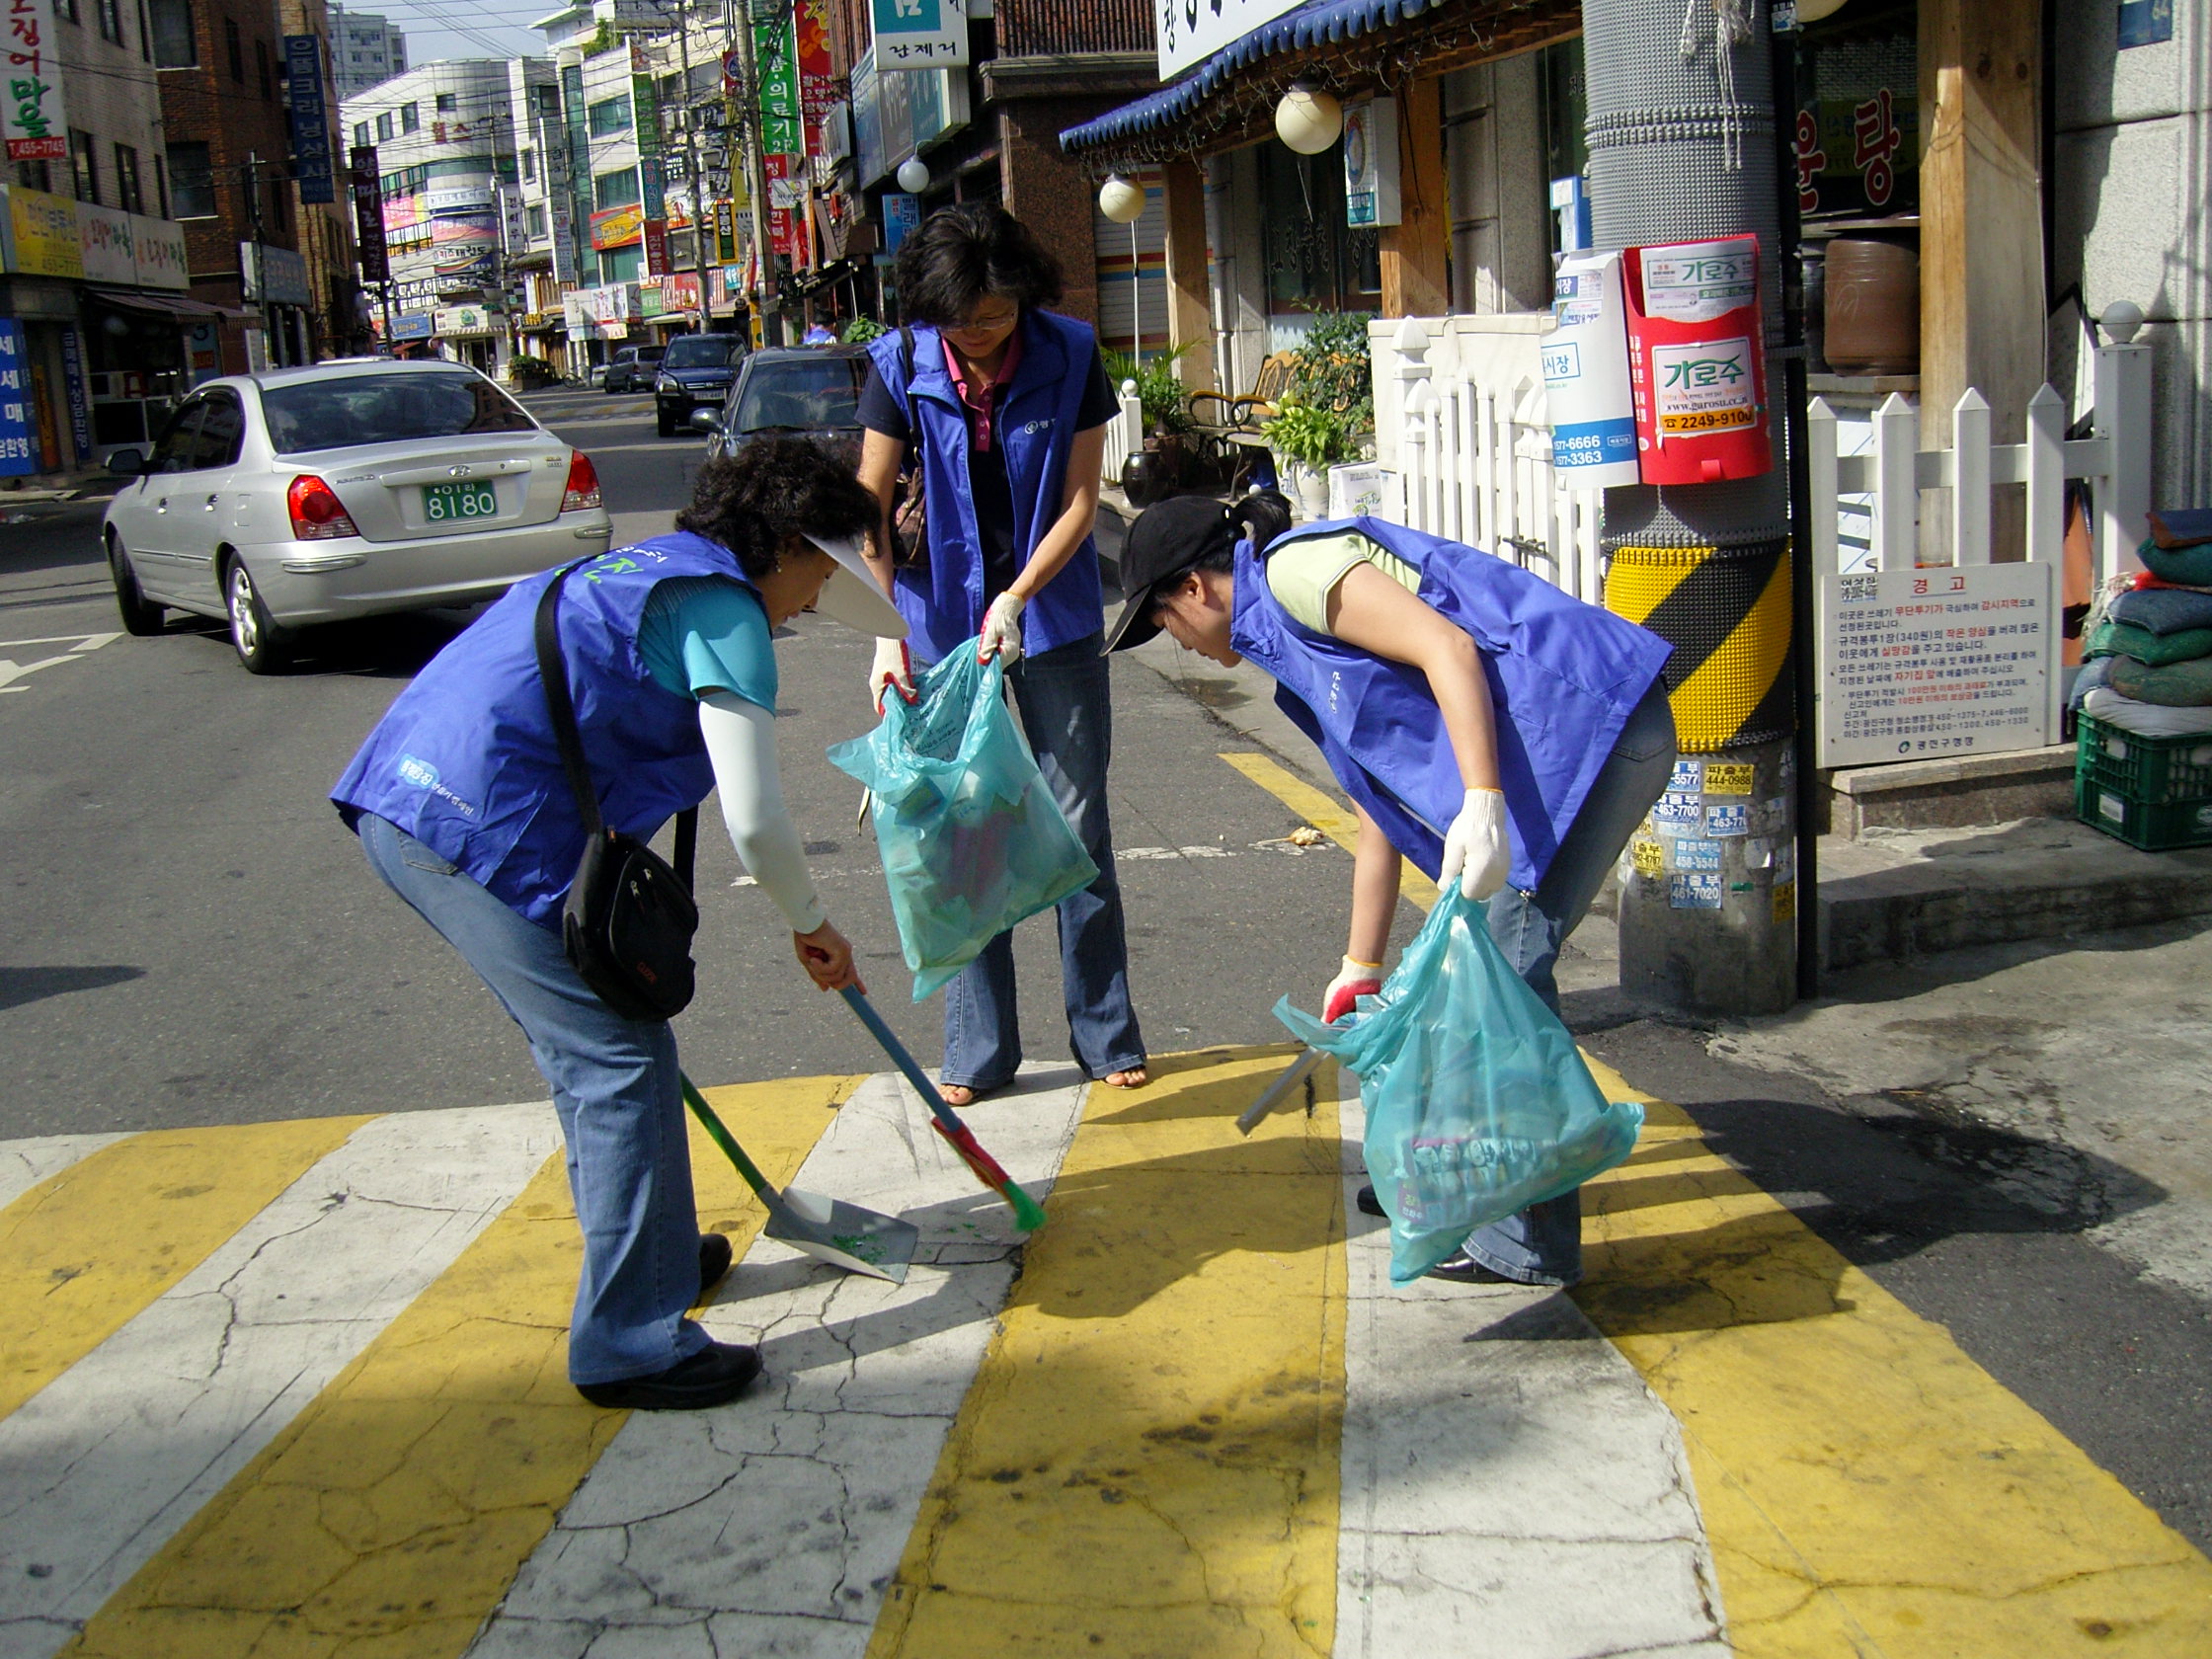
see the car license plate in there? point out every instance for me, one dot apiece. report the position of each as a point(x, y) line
point(448, 503)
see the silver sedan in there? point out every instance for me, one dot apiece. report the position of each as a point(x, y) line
point(299, 495)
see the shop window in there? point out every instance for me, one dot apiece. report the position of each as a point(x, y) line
point(609, 117)
point(618, 190)
point(410, 118)
point(174, 46)
point(361, 135)
point(447, 103)
point(384, 127)
point(1857, 122)
point(130, 194)
point(192, 181)
point(622, 265)
point(84, 166)
point(110, 20)
point(529, 167)
point(280, 204)
point(1315, 261)
point(34, 175)
point(535, 218)
point(260, 67)
point(234, 50)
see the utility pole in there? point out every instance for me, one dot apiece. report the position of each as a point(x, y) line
point(261, 270)
point(1682, 136)
point(756, 165)
point(692, 165)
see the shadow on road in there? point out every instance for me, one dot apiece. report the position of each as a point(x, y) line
point(22, 986)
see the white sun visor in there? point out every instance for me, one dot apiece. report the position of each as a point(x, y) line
point(851, 596)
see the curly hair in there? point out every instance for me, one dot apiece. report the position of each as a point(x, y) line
point(960, 255)
point(771, 490)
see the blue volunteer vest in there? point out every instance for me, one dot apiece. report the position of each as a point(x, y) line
point(466, 762)
point(943, 601)
point(1564, 677)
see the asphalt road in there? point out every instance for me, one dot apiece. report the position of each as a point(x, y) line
point(192, 937)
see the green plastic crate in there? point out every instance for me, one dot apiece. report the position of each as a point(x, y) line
point(2153, 793)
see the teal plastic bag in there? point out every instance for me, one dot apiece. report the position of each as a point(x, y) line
point(1478, 1104)
point(973, 840)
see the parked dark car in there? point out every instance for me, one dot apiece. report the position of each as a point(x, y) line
point(696, 373)
point(813, 390)
point(632, 370)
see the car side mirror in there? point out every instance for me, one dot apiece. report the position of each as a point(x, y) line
point(706, 420)
point(126, 463)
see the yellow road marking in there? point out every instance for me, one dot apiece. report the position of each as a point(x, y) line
point(1147, 1462)
point(1866, 1487)
point(1335, 820)
point(92, 1246)
point(392, 1514)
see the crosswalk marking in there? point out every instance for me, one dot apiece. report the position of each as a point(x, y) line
point(391, 1515)
point(1148, 1459)
point(90, 1246)
point(1867, 1489)
point(25, 1163)
point(107, 1463)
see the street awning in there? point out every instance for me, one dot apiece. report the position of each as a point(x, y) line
point(1451, 32)
point(161, 305)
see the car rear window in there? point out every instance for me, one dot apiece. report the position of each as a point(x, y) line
point(703, 351)
point(349, 411)
point(802, 392)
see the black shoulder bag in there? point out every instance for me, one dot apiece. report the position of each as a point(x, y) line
point(909, 512)
point(629, 918)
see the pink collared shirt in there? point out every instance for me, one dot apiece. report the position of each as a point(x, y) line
point(977, 401)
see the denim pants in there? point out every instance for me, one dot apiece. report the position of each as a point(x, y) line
point(1062, 697)
point(1543, 1244)
point(617, 1092)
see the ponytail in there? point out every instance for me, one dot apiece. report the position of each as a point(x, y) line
point(1264, 514)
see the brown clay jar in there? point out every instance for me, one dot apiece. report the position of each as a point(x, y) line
point(1872, 310)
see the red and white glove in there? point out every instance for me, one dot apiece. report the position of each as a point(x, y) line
point(894, 667)
point(1476, 850)
point(1352, 981)
point(1001, 631)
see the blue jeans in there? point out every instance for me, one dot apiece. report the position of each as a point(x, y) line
point(1062, 697)
point(1543, 1244)
point(620, 1102)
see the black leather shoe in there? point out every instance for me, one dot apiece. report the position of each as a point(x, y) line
point(714, 1260)
point(1369, 1204)
point(1462, 1269)
point(714, 1375)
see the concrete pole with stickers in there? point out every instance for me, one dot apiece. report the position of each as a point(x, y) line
point(1697, 521)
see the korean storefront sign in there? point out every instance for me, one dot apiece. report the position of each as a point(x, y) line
point(921, 34)
point(32, 117)
point(38, 234)
point(1942, 661)
point(368, 216)
point(1191, 31)
point(309, 119)
point(19, 449)
point(819, 88)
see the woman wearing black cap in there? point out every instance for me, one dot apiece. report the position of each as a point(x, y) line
point(1489, 727)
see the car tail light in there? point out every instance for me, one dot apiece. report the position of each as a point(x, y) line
point(317, 512)
point(583, 490)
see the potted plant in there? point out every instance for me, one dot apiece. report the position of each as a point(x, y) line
point(860, 330)
point(527, 374)
point(1173, 457)
point(1308, 439)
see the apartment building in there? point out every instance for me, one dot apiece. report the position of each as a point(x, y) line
point(365, 50)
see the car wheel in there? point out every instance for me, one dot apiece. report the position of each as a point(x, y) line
point(253, 634)
point(664, 420)
point(140, 615)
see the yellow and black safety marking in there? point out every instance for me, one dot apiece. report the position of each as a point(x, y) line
point(1726, 612)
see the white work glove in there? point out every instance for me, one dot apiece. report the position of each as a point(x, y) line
point(1476, 848)
point(1352, 981)
point(1001, 631)
point(894, 667)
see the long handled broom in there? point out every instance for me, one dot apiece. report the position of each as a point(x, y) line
point(1029, 1215)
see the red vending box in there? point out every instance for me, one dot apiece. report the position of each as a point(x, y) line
point(1696, 369)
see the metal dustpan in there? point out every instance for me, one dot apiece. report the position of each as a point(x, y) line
point(826, 1229)
point(1300, 1072)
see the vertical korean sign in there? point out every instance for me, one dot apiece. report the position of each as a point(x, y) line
point(18, 449)
point(819, 91)
point(32, 117)
point(651, 177)
point(775, 60)
point(368, 216)
point(310, 122)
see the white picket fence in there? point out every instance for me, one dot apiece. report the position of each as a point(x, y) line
point(2115, 459)
point(1125, 433)
point(1474, 458)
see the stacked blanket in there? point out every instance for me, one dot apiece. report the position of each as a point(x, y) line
point(2148, 660)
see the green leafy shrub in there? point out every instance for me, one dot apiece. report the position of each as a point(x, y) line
point(1331, 370)
point(1305, 433)
point(860, 330)
point(1158, 389)
point(525, 371)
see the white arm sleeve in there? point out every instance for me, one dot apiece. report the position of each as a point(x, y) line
point(741, 740)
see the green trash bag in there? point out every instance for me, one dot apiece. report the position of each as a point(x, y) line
point(1478, 1104)
point(973, 840)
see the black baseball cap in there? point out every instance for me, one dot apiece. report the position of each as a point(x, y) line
point(1168, 539)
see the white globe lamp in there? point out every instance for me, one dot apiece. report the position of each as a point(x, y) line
point(1308, 119)
point(1120, 201)
point(913, 176)
point(1812, 10)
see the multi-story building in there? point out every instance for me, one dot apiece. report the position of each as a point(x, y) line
point(228, 145)
point(326, 227)
point(365, 50)
point(453, 140)
point(93, 316)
